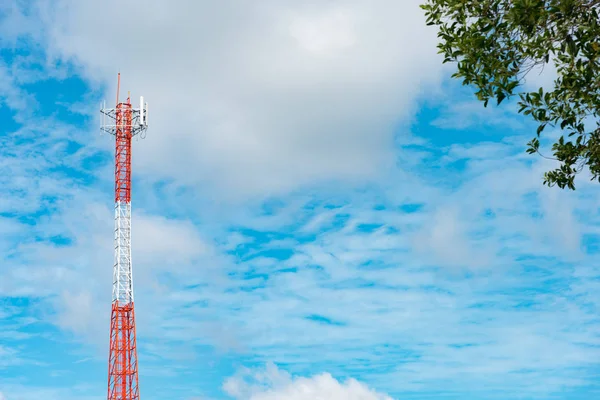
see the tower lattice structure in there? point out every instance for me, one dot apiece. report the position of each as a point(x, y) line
point(124, 122)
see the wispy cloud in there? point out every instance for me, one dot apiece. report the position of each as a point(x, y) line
point(266, 230)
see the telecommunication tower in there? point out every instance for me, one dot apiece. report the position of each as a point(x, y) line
point(123, 122)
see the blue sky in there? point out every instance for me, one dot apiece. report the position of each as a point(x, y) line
point(318, 211)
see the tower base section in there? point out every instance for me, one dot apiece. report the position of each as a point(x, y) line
point(122, 361)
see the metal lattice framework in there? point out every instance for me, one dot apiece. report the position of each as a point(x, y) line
point(124, 122)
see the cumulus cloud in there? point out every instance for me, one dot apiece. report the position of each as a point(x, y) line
point(257, 98)
point(275, 384)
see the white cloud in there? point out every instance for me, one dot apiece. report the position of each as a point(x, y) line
point(76, 278)
point(274, 384)
point(397, 307)
point(276, 88)
point(541, 76)
point(326, 32)
point(257, 98)
point(470, 113)
point(166, 242)
point(445, 239)
point(562, 227)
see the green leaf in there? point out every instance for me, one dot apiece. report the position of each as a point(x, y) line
point(496, 43)
point(540, 129)
point(501, 96)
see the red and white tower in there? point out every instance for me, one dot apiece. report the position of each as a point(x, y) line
point(124, 122)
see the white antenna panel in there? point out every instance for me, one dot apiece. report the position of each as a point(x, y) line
point(141, 110)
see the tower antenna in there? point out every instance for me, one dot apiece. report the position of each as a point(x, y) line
point(123, 122)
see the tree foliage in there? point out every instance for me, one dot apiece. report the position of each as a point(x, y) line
point(496, 43)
